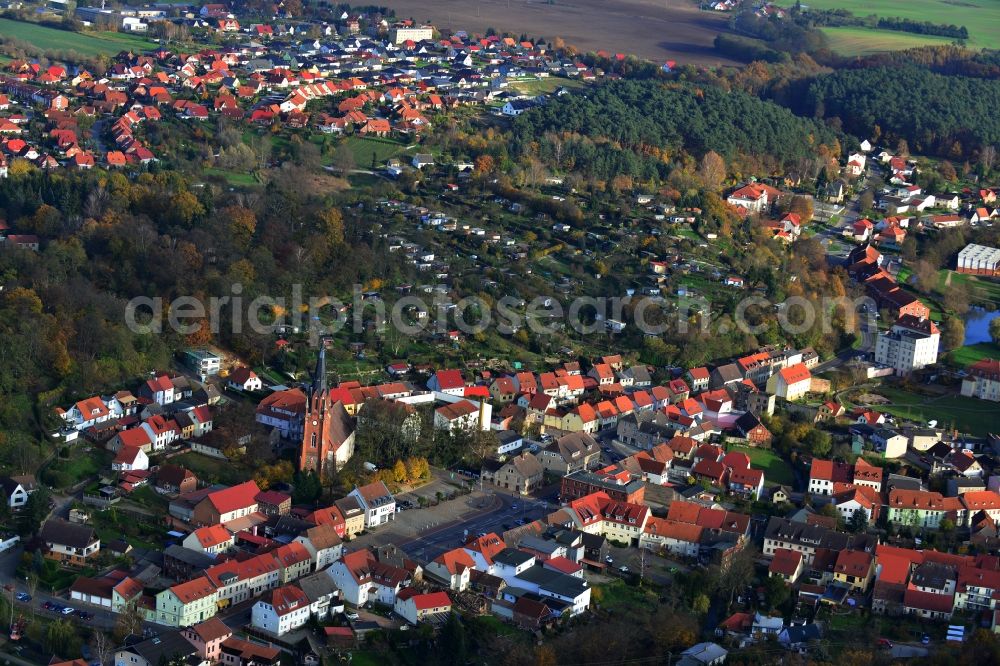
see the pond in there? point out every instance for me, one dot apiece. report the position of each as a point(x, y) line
point(977, 325)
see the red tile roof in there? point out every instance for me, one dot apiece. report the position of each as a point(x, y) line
point(785, 562)
point(237, 497)
point(193, 590)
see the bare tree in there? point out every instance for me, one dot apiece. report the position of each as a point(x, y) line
point(102, 646)
point(129, 621)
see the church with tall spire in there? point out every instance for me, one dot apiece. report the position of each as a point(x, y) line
point(328, 430)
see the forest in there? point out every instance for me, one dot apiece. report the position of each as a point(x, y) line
point(950, 116)
point(113, 238)
point(632, 128)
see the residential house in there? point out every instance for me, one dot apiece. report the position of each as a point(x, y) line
point(415, 607)
point(855, 569)
point(790, 383)
point(207, 638)
point(451, 569)
point(187, 603)
point(226, 505)
point(70, 543)
point(283, 610)
point(377, 502)
point(786, 564)
point(983, 380)
point(570, 453)
point(360, 577)
point(522, 474)
point(16, 490)
point(244, 379)
point(130, 458)
point(354, 515)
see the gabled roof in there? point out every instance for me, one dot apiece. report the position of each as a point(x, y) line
point(193, 590)
point(489, 546)
point(456, 560)
point(212, 535)
point(794, 374)
point(233, 498)
point(785, 561)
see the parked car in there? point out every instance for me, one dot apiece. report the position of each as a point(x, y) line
point(66, 610)
point(48, 605)
point(623, 569)
point(352, 616)
point(925, 639)
point(23, 597)
point(885, 643)
point(609, 559)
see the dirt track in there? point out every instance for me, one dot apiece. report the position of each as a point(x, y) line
point(659, 30)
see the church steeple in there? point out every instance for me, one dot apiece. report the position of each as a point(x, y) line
point(319, 388)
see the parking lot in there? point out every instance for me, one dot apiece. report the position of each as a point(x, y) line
point(427, 532)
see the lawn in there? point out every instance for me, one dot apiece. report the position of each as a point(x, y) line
point(212, 470)
point(980, 290)
point(364, 147)
point(970, 415)
point(981, 17)
point(865, 41)
point(86, 44)
point(616, 595)
point(545, 86)
point(963, 357)
point(83, 462)
point(234, 178)
point(776, 469)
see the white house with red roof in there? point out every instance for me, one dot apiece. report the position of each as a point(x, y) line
point(786, 564)
point(983, 381)
point(448, 381)
point(244, 379)
point(86, 413)
point(854, 498)
point(452, 569)
point(284, 609)
point(161, 431)
point(160, 390)
point(754, 197)
point(226, 505)
point(483, 549)
point(360, 577)
point(129, 459)
point(131, 438)
point(415, 607)
point(824, 474)
point(790, 383)
point(860, 230)
point(211, 540)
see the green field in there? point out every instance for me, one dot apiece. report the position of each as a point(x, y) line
point(546, 85)
point(864, 41)
point(777, 471)
point(977, 417)
point(363, 148)
point(980, 17)
point(963, 357)
point(981, 290)
point(86, 44)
